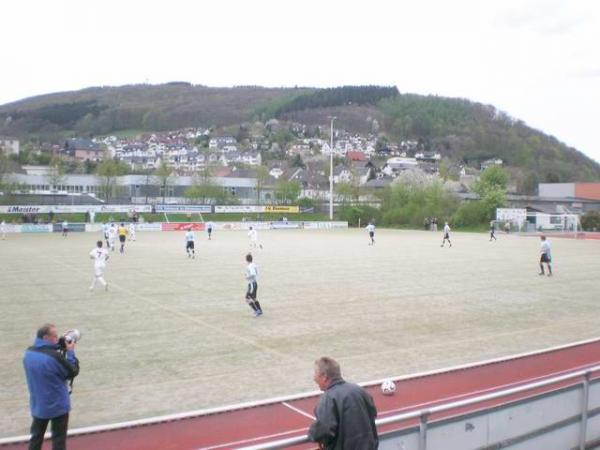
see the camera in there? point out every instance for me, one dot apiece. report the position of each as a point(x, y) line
point(68, 338)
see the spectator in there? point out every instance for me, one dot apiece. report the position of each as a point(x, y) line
point(345, 414)
point(47, 370)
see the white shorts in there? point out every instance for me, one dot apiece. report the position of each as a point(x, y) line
point(99, 270)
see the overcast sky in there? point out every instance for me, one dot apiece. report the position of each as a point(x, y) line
point(537, 60)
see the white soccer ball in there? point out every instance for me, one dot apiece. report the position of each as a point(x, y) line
point(388, 387)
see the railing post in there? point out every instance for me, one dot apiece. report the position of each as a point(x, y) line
point(423, 430)
point(584, 410)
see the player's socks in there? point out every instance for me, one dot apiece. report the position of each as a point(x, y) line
point(258, 306)
point(253, 306)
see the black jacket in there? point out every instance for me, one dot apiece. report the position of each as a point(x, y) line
point(345, 418)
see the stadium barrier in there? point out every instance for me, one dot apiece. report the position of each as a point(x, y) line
point(564, 417)
point(175, 226)
point(34, 228)
point(57, 227)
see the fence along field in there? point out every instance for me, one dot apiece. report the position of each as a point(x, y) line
point(174, 334)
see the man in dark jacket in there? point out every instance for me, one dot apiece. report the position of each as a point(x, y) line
point(345, 413)
point(48, 372)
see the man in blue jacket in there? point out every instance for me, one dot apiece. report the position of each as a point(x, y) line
point(48, 372)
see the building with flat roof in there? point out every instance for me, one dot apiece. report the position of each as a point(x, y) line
point(589, 191)
point(140, 188)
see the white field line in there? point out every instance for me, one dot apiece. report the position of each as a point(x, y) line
point(299, 411)
point(188, 317)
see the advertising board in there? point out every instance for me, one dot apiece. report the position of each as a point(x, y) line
point(282, 209)
point(207, 209)
point(239, 209)
point(34, 228)
point(58, 209)
point(182, 226)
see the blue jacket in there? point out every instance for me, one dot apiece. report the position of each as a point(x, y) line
point(47, 381)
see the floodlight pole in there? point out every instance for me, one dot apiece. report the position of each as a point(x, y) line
point(332, 118)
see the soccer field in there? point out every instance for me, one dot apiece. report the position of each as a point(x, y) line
point(174, 334)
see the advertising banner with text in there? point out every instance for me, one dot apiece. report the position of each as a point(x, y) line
point(324, 225)
point(184, 208)
point(282, 209)
point(182, 226)
point(154, 226)
point(58, 209)
point(239, 209)
point(518, 215)
point(57, 227)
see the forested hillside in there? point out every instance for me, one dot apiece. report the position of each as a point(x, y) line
point(461, 130)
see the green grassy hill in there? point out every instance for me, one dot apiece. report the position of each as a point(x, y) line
point(461, 130)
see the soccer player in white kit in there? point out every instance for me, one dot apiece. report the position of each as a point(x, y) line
point(105, 231)
point(492, 231)
point(545, 256)
point(3, 229)
point(132, 231)
point(209, 229)
point(65, 228)
point(371, 230)
point(100, 256)
point(112, 236)
point(252, 289)
point(446, 235)
point(189, 243)
point(253, 235)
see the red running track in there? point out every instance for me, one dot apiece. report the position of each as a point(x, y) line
point(279, 419)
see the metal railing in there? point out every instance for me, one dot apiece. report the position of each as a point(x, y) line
point(423, 414)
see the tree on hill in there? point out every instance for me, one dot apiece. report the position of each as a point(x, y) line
point(287, 192)
point(491, 188)
point(339, 96)
point(205, 190)
point(163, 178)
point(262, 178)
point(5, 170)
point(108, 172)
point(57, 173)
point(297, 162)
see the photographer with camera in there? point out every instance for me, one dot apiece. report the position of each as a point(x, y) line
point(50, 366)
